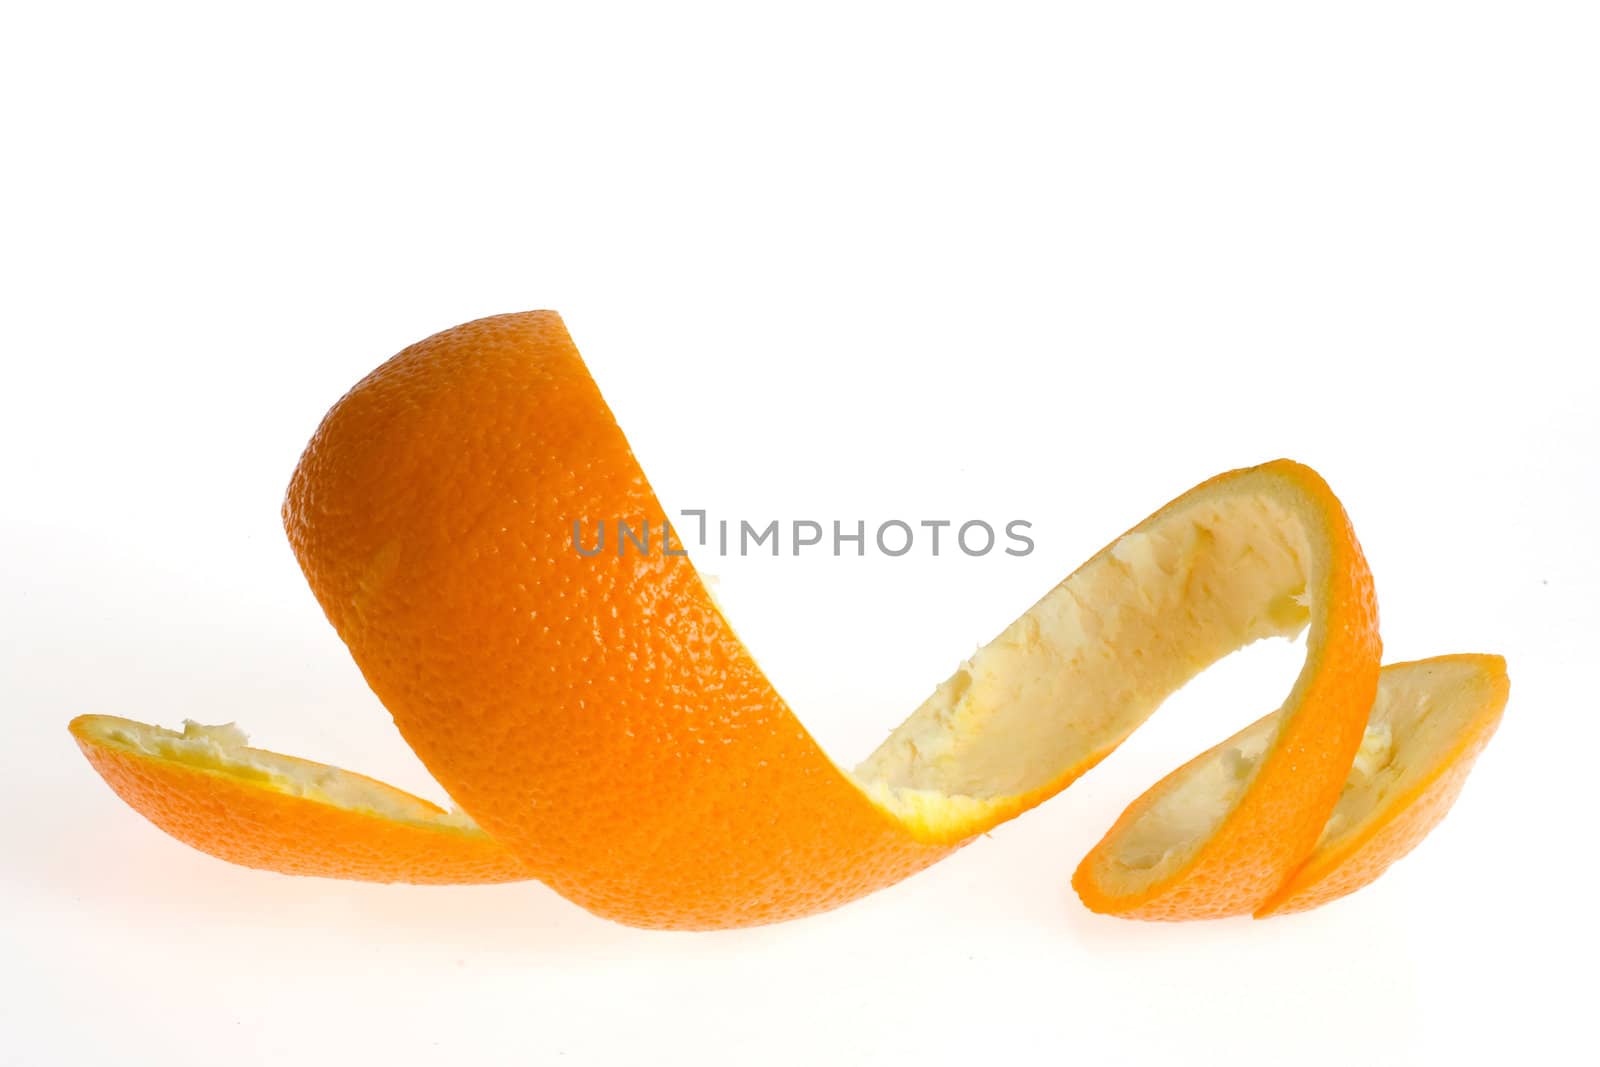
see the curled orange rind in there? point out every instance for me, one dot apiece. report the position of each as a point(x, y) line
point(604, 730)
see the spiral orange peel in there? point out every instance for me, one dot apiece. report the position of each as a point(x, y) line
point(604, 730)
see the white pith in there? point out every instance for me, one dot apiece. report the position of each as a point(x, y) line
point(1417, 722)
point(1081, 669)
point(224, 748)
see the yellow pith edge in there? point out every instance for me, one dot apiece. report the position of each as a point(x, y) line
point(223, 749)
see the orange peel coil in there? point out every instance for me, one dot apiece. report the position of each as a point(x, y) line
point(604, 730)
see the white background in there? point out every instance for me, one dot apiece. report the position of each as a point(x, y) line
point(1055, 262)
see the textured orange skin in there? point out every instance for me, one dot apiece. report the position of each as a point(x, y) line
point(247, 823)
point(1402, 821)
point(1275, 825)
point(595, 714)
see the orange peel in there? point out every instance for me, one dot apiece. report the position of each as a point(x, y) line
point(606, 732)
point(260, 809)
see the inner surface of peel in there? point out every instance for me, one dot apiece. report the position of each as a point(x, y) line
point(224, 749)
point(1080, 670)
point(1417, 719)
point(1180, 818)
